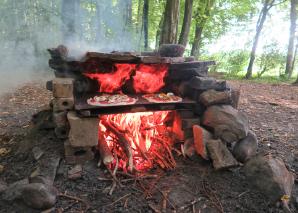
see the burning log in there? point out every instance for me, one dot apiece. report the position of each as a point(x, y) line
point(105, 153)
point(123, 142)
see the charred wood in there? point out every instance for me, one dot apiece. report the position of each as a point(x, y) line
point(104, 151)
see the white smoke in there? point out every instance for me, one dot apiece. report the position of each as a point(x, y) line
point(28, 28)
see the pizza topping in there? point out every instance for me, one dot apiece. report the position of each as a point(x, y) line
point(106, 100)
point(162, 98)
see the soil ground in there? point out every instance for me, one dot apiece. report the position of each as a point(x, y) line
point(273, 115)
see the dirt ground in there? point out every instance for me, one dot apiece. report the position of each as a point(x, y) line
point(273, 115)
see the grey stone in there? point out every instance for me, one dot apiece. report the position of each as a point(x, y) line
point(37, 152)
point(246, 148)
point(221, 157)
point(14, 191)
point(212, 97)
point(188, 147)
point(75, 172)
point(270, 176)
point(3, 186)
point(39, 196)
point(228, 124)
point(206, 83)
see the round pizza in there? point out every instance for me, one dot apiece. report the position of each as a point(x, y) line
point(162, 98)
point(111, 100)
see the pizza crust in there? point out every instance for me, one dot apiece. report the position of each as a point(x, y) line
point(151, 98)
point(92, 101)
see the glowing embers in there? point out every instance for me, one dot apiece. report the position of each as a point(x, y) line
point(113, 81)
point(149, 78)
point(145, 78)
point(138, 141)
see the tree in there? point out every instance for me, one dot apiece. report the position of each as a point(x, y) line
point(201, 17)
point(183, 39)
point(145, 22)
point(267, 5)
point(290, 54)
point(170, 23)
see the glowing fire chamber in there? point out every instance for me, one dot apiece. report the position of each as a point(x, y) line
point(139, 141)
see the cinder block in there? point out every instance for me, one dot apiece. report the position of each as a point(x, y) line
point(60, 118)
point(77, 155)
point(61, 104)
point(63, 87)
point(83, 131)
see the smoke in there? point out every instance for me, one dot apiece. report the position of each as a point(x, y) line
point(28, 28)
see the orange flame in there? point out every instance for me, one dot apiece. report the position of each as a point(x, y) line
point(148, 134)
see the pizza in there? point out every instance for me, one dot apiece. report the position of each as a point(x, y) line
point(111, 100)
point(162, 98)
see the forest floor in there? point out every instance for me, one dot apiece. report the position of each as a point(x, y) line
point(273, 113)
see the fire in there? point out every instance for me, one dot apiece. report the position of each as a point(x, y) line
point(150, 78)
point(113, 81)
point(140, 140)
point(146, 78)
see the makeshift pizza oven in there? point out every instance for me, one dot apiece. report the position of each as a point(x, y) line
point(130, 108)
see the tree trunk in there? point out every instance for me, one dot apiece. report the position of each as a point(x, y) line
point(262, 17)
point(170, 24)
point(183, 39)
point(145, 22)
point(98, 22)
point(158, 31)
point(290, 54)
point(197, 40)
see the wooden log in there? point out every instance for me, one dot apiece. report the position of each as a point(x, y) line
point(122, 142)
point(105, 153)
point(61, 52)
point(161, 60)
point(112, 57)
point(191, 64)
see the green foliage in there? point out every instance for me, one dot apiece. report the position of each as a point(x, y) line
point(270, 59)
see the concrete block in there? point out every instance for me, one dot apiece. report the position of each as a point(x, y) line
point(63, 87)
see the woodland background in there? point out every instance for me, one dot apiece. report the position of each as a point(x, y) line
point(252, 39)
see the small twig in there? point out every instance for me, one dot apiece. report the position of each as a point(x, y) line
point(116, 201)
point(243, 193)
point(76, 199)
point(154, 208)
point(192, 203)
point(164, 202)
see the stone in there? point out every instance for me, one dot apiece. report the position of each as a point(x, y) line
point(3, 186)
point(189, 122)
point(83, 131)
point(188, 147)
point(171, 50)
point(206, 83)
point(39, 196)
point(37, 153)
point(63, 87)
point(77, 155)
point(75, 172)
point(14, 190)
point(61, 104)
point(228, 124)
point(46, 170)
point(221, 157)
point(201, 136)
point(270, 176)
point(187, 74)
point(1, 168)
point(212, 97)
point(235, 96)
point(246, 148)
point(184, 114)
point(61, 132)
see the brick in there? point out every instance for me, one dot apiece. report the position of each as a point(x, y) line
point(61, 104)
point(83, 131)
point(77, 155)
point(63, 87)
